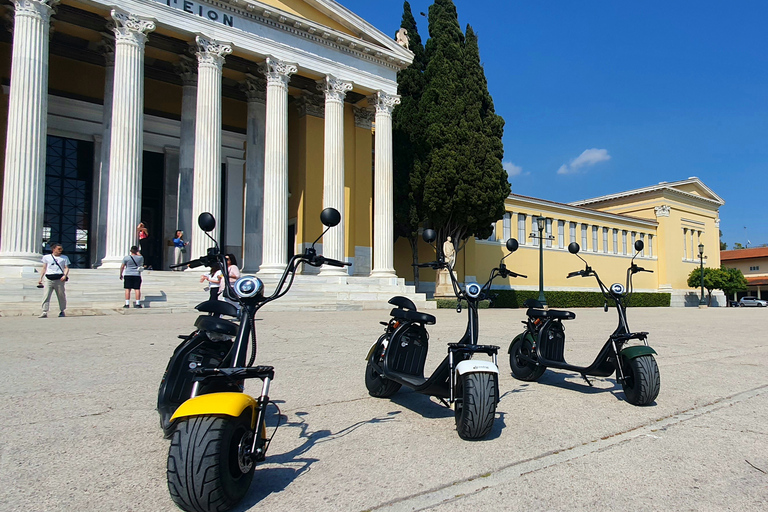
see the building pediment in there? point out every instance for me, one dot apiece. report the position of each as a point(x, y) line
point(691, 189)
point(329, 21)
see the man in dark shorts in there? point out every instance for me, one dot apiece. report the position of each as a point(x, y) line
point(130, 273)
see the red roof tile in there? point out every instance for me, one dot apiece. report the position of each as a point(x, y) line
point(755, 281)
point(744, 254)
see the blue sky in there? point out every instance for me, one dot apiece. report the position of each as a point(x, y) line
point(604, 96)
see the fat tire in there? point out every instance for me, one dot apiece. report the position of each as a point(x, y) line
point(521, 369)
point(475, 407)
point(642, 381)
point(203, 471)
point(379, 386)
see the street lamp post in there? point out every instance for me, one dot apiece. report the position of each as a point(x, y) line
point(541, 223)
point(702, 302)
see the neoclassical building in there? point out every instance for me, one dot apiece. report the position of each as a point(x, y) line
point(671, 218)
point(261, 112)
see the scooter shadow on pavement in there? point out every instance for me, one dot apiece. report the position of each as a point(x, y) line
point(574, 382)
point(269, 480)
point(421, 404)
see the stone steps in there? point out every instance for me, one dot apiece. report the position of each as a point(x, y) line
point(100, 292)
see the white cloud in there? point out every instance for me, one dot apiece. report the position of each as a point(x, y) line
point(512, 169)
point(587, 158)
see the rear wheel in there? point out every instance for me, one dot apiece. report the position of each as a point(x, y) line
point(207, 466)
point(641, 380)
point(378, 385)
point(522, 369)
point(475, 407)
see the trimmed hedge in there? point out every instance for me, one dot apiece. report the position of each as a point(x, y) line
point(562, 299)
point(451, 304)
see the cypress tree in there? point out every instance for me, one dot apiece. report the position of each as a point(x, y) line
point(407, 141)
point(464, 183)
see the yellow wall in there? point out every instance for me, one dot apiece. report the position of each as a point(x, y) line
point(363, 197)
point(300, 8)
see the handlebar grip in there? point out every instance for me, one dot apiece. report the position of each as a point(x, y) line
point(573, 274)
point(335, 263)
point(519, 275)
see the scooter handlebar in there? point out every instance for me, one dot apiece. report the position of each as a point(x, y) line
point(574, 274)
point(322, 260)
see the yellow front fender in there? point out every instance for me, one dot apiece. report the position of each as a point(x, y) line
point(228, 404)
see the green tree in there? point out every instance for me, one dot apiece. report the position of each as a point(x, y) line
point(713, 280)
point(464, 183)
point(723, 245)
point(733, 281)
point(408, 146)
point(737, 245)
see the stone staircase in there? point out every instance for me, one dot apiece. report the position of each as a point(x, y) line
point(100, 292)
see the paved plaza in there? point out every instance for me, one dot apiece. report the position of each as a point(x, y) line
point(79, 430)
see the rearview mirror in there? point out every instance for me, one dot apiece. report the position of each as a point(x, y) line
point(639, 245)
point(330, 217)
point(429, 235)
point(512, 245)
point(206, 222)
point(573, 248)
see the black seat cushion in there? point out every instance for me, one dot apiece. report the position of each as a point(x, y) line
point(412, 316)
point(402, 302)
point(550, 313)
point(217, 307)
point(533, 303)
point(216, 324)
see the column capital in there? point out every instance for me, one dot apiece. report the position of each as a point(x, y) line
point(276, 70)
point(311, 104)
point(334, 88)
point(131, 28)
point(254, 87)
point(384, 102)
point(364, 117)
point(186, 68)
point(38, 8)
point(662, 211)
point(212, 52)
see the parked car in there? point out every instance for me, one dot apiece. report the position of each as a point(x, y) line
point(752, 301)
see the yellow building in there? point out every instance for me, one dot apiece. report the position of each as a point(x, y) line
point(671, 219)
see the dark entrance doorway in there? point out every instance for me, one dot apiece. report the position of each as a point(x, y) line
point(152, 199)
point(68, 180)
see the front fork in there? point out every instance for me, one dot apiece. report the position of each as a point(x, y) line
point(260, 442)
point(452, 372)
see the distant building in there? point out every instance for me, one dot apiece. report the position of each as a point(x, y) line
point(753, 263)
point(670, 218)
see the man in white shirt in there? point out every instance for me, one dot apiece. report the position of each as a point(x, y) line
point(130, 273)
point(55, 274)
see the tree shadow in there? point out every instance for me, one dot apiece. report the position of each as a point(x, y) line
point(295, 462)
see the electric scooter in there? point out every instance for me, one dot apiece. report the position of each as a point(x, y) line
point(398, 356)
point(542, 344)
point(218, 433)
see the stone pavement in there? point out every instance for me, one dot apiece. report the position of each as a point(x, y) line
point(79, 430)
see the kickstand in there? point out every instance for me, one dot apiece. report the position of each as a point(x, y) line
point(583, 376)
point(444, 402)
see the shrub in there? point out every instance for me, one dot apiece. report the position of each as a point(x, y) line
point(451, 304)
point(564, 299)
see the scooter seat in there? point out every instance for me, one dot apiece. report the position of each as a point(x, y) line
point(551, 313)
point(217, 307)
point(402, 302)
point(413, 316)
point(216, 324)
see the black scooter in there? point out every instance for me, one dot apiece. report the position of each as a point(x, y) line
point(542, 343)
point(398, 356)
point(217, 432)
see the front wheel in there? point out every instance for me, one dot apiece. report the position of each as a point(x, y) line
point(522, 369)
point(208, 469)
point(475, 407)
point(641, 380)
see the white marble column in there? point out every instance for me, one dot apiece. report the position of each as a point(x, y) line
point(98, 237)
point(186, 68)
point(127, 140)
point(333, 168)
point(23, 198)
point(206, 187)
point(275, 249)
point(383, 209)
point(255, 88)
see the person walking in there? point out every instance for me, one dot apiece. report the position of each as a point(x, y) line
point(233, 272)
point(130, 273)
point(214, 280)
point(143, 233)
point(56, 274)
point(179, 248)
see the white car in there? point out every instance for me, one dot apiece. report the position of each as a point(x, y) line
point(752, 301)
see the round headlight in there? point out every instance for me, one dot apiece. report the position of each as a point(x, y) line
point(473, 290)
point(617, 289)
point(249, 286)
